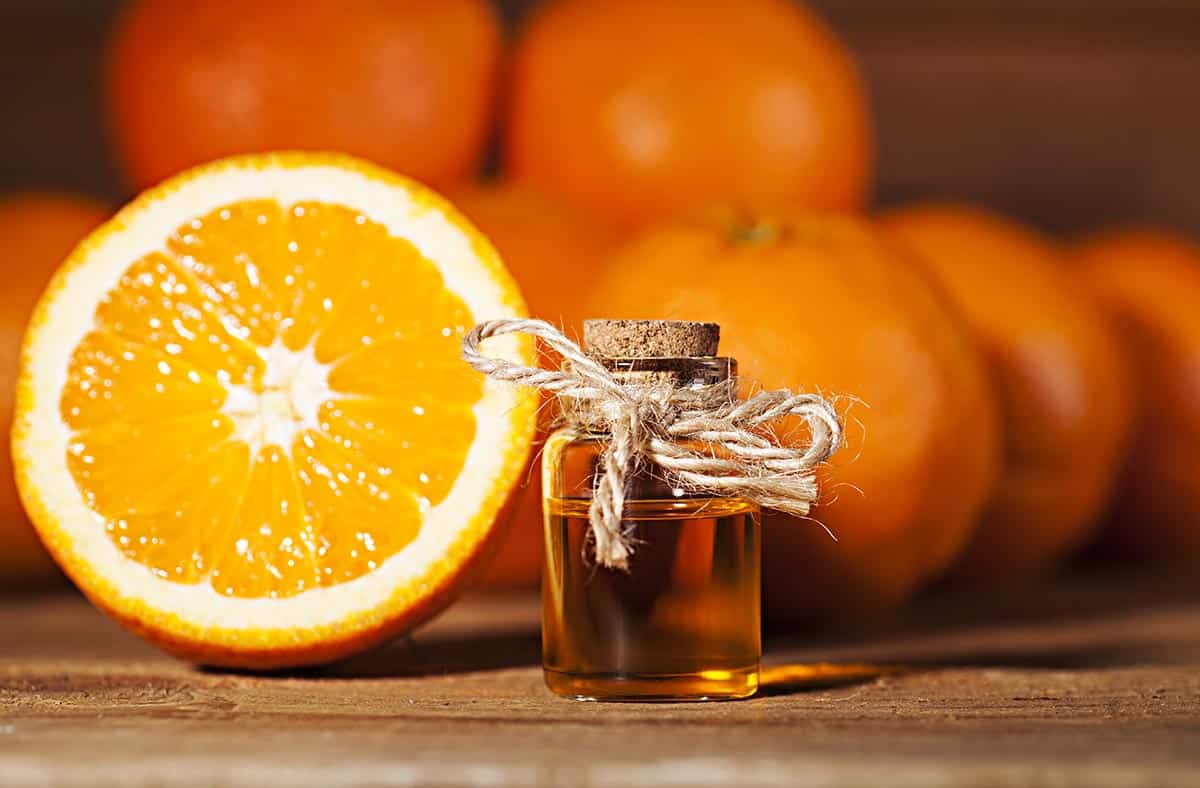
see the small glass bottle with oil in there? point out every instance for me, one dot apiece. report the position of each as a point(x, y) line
point(682, 621)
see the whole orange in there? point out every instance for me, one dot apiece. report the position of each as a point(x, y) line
point(553, 251)
point(1150, 282)
point(636, 109)
point(1063, 381)
point(821, 302)
point(408, 84)
point(37, 232)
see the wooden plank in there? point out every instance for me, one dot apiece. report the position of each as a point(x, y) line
point(1089, 682)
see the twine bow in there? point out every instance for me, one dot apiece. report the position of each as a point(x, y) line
point(704, 438)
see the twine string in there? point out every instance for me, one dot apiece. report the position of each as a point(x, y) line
point(704, 438)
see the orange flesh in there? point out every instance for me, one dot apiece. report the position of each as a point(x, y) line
point(190, 481)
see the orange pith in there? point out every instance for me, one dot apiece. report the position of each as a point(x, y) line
point(342, 334)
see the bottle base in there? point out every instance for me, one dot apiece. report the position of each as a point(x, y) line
point(655, 688)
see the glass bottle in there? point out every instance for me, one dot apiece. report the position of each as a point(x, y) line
point(682, 622)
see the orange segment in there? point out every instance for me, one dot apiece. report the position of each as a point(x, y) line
point(395, 367)
point(364, 515)
point(328, 247)
point(157, 303)
point(421, 444)
point(236, 255)
point(415, 308)
point(267, 547)
point(271, 404)
point(144, 495)
point(107, 382)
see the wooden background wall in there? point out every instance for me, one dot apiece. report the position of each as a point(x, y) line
point(1072, 113)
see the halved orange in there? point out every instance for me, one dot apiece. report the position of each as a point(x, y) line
point(243, 426)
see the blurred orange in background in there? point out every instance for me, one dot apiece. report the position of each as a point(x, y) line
point(554, 252)
point(408, 84)
point(1150, 281)
point(551, 248)
point(821, 301)
point(1062, 379)
point(637, 109)
point(37, 231)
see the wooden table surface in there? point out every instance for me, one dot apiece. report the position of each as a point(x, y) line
point(1091, 681)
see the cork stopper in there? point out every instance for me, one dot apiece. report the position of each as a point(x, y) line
point(616, 339)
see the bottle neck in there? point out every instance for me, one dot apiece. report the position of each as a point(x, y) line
point(690, 380)
point(683, 372)
point(678, 384)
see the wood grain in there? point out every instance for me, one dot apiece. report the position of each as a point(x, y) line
point(1091, 682)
